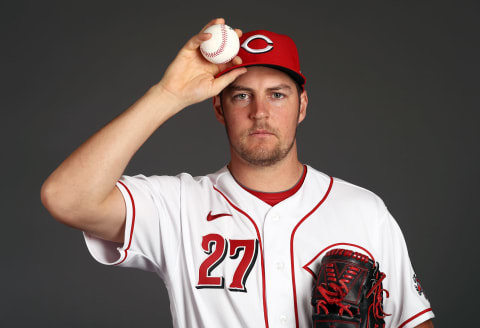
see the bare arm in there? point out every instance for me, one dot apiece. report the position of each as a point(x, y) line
point(426, 324)
point(81, 192)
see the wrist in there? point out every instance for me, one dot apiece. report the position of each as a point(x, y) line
point(168, 102)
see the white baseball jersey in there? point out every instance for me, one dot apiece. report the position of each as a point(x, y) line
point(228, 259)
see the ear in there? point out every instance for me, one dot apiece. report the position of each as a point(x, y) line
point(303, 106)
point(217, 107)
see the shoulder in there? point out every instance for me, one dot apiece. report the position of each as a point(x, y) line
point(348, 195)
point(353, 192)
point(179, 181)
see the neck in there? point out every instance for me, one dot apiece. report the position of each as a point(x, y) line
point(280, 176)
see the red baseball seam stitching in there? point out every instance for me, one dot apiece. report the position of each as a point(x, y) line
point(222, 45)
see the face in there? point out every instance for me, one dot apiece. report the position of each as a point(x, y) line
point(261, 111)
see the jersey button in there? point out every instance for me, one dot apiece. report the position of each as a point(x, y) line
point(279, 265)
point(283, 319)
point(275, 217)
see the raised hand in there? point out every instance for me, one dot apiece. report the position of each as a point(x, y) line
point(190, 78)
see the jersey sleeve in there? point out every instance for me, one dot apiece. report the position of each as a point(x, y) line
point(407, 302)
point(151, 228)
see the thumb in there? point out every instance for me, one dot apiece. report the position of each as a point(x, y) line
point(223, 81)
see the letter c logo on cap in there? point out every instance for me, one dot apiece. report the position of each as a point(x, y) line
point(257, 51)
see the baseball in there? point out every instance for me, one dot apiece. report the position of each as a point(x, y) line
point(223, 46)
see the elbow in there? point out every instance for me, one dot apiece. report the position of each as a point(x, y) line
point(59, 204)
point(50, 198)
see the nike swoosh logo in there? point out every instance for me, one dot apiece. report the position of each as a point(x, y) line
point(211, 217)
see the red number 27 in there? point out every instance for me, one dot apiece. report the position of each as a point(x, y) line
point(216, 247)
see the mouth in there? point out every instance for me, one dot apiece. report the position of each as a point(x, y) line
point(261, 132)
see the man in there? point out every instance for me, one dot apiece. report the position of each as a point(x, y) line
point(240, 247)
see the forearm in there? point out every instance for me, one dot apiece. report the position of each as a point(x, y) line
point(81, 191)
point(90, 173)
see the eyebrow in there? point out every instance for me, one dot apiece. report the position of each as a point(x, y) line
point(235, 87)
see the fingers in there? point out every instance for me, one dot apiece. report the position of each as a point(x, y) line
point(223, 81)
point(197, 40)
point(237, 61)
point(234, 62)
point(239, 32)
point(220, 21)
point(213, 22)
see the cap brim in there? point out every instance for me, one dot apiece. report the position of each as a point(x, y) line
point(297, 77)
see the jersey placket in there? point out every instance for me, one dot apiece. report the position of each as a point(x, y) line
point(276, 235)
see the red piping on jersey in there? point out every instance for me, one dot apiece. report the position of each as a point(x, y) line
point(414, 317)
point(327, 248)
point(261, 253)
point(133, 222)
point(291, 249)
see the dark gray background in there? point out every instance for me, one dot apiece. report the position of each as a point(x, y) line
point(393, 90)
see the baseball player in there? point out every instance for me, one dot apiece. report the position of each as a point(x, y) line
point(247, 245)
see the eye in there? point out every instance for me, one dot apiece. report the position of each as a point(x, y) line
point(240, 96)
point(278, 95)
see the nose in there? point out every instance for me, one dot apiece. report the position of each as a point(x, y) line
point(259, 109)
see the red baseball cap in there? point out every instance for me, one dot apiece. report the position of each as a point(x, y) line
point(265, 48)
